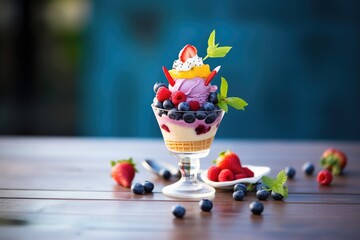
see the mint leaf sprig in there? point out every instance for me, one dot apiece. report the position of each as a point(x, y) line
point(224, 100)
point(213, 51)
point(277, 184)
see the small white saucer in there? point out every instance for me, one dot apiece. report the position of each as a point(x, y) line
point(259, 171)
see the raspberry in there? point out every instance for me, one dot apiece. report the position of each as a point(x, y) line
point(240, 175)
point(226, 175)
point(194, 105)
point(324, 177)
point(178, 97)
point(213, 173)
point(201, 129)
point(163, 94)
point(248, 172)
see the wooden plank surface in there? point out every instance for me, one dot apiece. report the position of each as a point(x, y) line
point(60, 188)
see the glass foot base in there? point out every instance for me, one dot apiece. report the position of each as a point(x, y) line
point(183, 189)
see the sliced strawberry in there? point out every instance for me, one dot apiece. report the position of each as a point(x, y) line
point(187, 52)
point(248, 172)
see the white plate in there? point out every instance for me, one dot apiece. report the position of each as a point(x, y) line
point(259, 171)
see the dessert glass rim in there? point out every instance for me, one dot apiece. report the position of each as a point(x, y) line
point(190, 111)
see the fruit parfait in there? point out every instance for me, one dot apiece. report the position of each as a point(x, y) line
point(189, 108)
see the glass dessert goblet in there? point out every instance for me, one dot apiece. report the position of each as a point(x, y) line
point(188, 135)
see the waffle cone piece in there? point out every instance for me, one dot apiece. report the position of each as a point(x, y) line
point(189, 146)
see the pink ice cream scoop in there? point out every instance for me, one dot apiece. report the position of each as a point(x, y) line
point(194, 89)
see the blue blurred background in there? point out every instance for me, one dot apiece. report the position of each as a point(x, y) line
point(86, 68)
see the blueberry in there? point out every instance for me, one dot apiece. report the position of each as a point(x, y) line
point(238, 195)
point(256, 207)
point(157, 85)
point(240, 186)
point(276, 196)
point(158, 104)
point(161, 112)
point(148, 186)
point(200, 115)
point(165, 174)
point(210, 118)
point(213, 98)
point(137, 188)
point(174, 114)
point(208, 106)
point(178, 211)
point(206, 205)
point(189, 117)
point(260, 185)
point(262, 194)
point(308, 168)
point(183, 106)
point(290, 172)
point(168, 104)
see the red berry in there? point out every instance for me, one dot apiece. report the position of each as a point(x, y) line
point(178, 97)
point(194, 105)
point(240, 175)
point(123, 172)
point(324, 177)
point(187, 52)
point(213, 173)
point(248, 172)
point(166, 128)
point(163, 94)
point(229, 160)
point(226, 175)
point(333, 160)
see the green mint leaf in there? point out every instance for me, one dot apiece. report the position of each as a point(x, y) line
point(223, 88)
point(211, 40)
point(236, 103)
point(268, 181)
point(281, 178)
point(223, 106)
point(278, 188)
point(286, 192)
point(219, 52)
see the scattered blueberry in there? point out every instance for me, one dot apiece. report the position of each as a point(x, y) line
point(240, 186)
point(189, 117)
point(200, 115)
point(137, 188)
point(262, 194)
point(165, 174)
point(210, 118)
point(238, 195)
point(213, 98)
point(178, 211)
point(256, 207)
point(157, 85)
point(174, 114)
point(208, 106)
point(148, 186)
point(168, 104)
point(183, 106)
point(276, 196)
point(290, 172)
point(308, 168)
point(206, 205)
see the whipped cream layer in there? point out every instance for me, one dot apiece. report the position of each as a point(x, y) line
point(188, 64)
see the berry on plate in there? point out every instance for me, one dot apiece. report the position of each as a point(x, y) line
point(213, 173)
point(324, 177)
point(225, 175)
point(333, 160)
point(123, 172)
point(229, 160)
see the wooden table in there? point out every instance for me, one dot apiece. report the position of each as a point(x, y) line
point(60, 188)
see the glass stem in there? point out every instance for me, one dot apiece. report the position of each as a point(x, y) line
point(189, 168)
